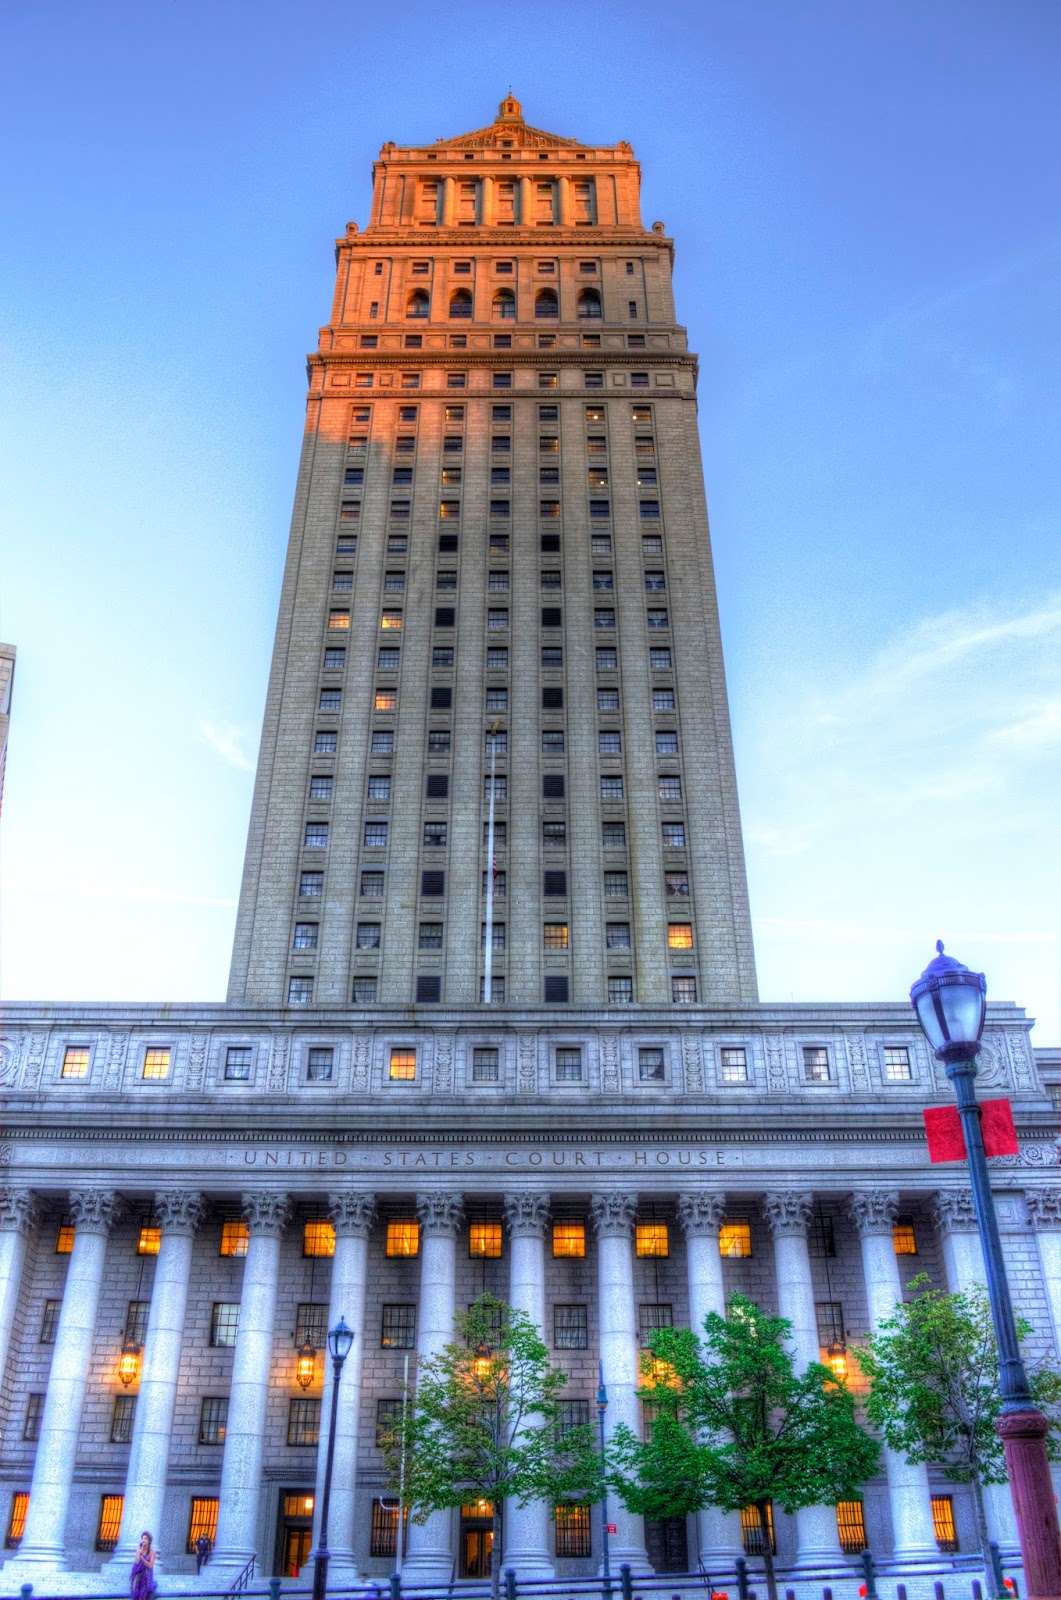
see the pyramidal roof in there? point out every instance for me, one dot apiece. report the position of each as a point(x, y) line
point(509, 131)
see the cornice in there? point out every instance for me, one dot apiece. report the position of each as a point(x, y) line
point(381, 234)
point(364, 359)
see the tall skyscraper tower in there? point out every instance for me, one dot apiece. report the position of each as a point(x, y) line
point(499, 556)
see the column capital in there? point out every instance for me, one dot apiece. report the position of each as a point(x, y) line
point(953, 1210)
point(700, 1211)
point(19, 1210)
point(873, 1210)
point(788, 1212)
point(440, 1214)
point(613, 1215)
point(527, 1215)
point(265, 1212)
point(352, 1214)
point(179, 1210)
point(95, 1210)
point(1044, 1209)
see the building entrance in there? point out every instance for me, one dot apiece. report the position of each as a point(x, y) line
point(294, 1535)
point(476, 1539)
point(667, 1545)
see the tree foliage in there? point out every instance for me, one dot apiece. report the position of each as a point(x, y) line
point(733, 1425)
point(484, 1422)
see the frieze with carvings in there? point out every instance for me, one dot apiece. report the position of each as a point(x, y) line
point(278, 1059)
point(527, 1066)
point(444, 1063)
point(195, 1073)
point(692, 1065)
point(34, 1068)
point(776, 1075)
point(362, 1056)
point(609, 1063)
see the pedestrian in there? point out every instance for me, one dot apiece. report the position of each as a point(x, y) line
point(203, 1547)
point(142, 1578)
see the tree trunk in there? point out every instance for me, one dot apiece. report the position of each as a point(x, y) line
point(763, 1508)
point(495, 1553)
point(980, 1518)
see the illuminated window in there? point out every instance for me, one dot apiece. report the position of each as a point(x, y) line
point(110, 1521)
point(650, 1318)
point(735, 1239)
point(484, 1239)
point(16, 1522)
point(398, 1330)
point(403, 1063)
point(554, 936)
point(386, 700)
point(904, 1237)
point(64, 1237)
point(157, 1063)
point(752, 1533)
point(202, 1523)
point(851, 1526)
point(318, 1238)
point(224, 1324)
point(213, 1419)
point(569, 1239)
point(235, 1237)
point(734, 1064)
point(652, 1239)
point(338, 619)
point(75, 1062)
point(403, 1238)
point(572, 1530)
point(303, 1422)
point(943, 1523)
point(391, 620)
point(122, 1418)
point(897, 1068)
point(679, 936)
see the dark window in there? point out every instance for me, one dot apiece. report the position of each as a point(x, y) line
point(552, 699)
point(570, 1328)
point(437, 785)
point(556, 991)
point(398, 1330)
point(303, 1422)
point(31, 1422)
point(441, 699)
point(551, 616)
point(428, 990)
point(553, 786)
point(651, 1317)
point(121, 1418)
point(555, 885)
point(433, 884)
point(50, 1321)
point(384, 1537)
point(444, 616)
point(213, 1419)
point(430, 936)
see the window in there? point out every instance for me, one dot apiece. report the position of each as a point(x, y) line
point(316, 836)
point(676, 883)
point(610, 743)
point(660, 660)
point(157, 1063)
point(460, 304)
point(568, 1070)
point(438, 742)
point(600, 509)
point(617, 936)
point(497, 988)
point(657, 618)
point(735, 1239)
point(651, 1239)
point(368, 935)
point(548, 444)
point(349, 511)
point(683, 991)
point(679, 936)
point(588, 304)
point(545, 302)
point(554, 936)
point(403, 1238)
point(650, 1318)
point(830, 1320)
point(571, 1327)
point(64, 1237)
point(496, 619)
point(851, 1526)
point(569, 1240)
point(338, 619)
point(821, 1240)
point(238, 1056)
point(235, 1236)
point(943, 1524)
point(305, 939)
point(382, 743)
point(603, 618)
point(815, 1064)
point(650, 1066)
point(110, 1521)
point(613, 835)
point(433, 884)
point(484, 1240)
point(320, 788)
point(311, 885)
point(430, 936)
point(224, 1324)
point(213, 1419)
point(398, 1330)
point(611, 788)
point(620, 991)
point(733, 1064)
point(572, 1530)
point(603, 580)
point(318, 1238)
point(497, 699)
point(553, 786)
point(554, 834)
point(500, 787)
point(607, 660)
point(372, 886)
point(903, 1237)
point(593, 380)
point(122, 1416)
point(497, 742)
point(75, 1061)
point(320, 1060)
point(663, 699)
point(670, 786)
point(897, 1068)
point(751, 1528)
point(549, 508)
point(434, 835)
point(403, 1063)
point(383, 1540)
point(548, 380)
point(456, 380)
point(16, 1522)
point(363, 992)
point(31, 1421)
point(553, 741)
point(616, 886)
point(303, 1422)
point(571, 1414)
point(428, 990)
point(203, 1521)
point(485, 1065)
point(551, 578)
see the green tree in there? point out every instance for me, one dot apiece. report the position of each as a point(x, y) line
point(734, 1426)
point(934, 1389)
point(484, 1421)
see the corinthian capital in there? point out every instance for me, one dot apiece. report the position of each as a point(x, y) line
point(18, 1210)
point(1044, 1209)
point(179, 1210)
point(953, 1210)
point(700, 1211)
point(788, 1213)
point(352, 1214)
point(266, 1213)
point(873, 1210)
point(613, 1215)
point(440, 1214)
point(95, 1210)
point(527, 1215)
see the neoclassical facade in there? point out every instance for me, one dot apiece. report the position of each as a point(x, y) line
point(496, 727)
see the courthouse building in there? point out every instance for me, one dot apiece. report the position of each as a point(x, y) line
point(496, 702)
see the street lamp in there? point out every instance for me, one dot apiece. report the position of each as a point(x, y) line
point(602, 1406)
point(950, 1002)
point(340, 1340)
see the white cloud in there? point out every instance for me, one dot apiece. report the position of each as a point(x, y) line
point(228, 742)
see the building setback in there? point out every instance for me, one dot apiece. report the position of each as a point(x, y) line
point(498, 583)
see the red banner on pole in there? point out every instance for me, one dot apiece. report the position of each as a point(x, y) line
point(946, 1142)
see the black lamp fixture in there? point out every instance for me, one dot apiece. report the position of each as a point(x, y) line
point(951, 1003)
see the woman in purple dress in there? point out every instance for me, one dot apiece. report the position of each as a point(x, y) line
point(142, 1582)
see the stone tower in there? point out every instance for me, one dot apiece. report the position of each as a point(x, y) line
point(499, 534)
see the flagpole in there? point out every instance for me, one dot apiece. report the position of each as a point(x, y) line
point(488, 959)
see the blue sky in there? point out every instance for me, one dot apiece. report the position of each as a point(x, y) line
point(866, 204)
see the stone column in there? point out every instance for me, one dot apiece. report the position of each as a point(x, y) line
point(963, 1263)
point(486, 202)
point(873, 1212)
point(449, 201)
point(353, 1215)
point(564, 198)
point(241, 1466)
point(18, 1216)
point(613, 1221)
point(700, 1212)
point(788, 1213)
point(524, 207)
point(526, 1527)
point(1044, 1217)
point(43, 1548)
point(430, 1554)
point(179, 1215)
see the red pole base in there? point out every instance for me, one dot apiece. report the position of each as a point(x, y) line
point(1023, 1435)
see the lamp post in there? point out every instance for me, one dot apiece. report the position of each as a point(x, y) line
point(340, 1339)
point(950, 1002)
point(602, 1406)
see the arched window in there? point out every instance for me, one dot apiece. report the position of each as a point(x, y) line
point(461, 304)
point(588, 303)
point(419, 304)
point(504, 303)
point(546, 303)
